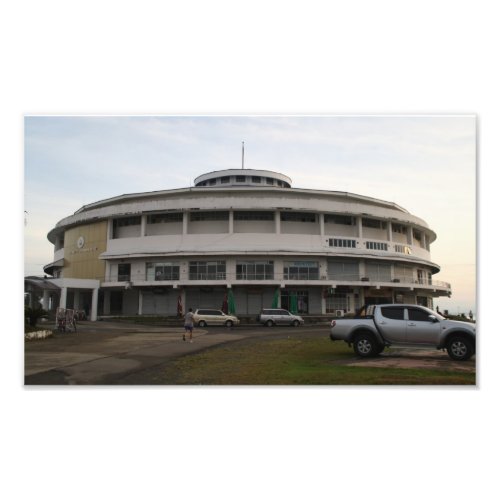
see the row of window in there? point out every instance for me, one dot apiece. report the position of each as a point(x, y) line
point(256, 215)
point(254, 179)
point(264, 270)
point(399, 313)
point(370, 245)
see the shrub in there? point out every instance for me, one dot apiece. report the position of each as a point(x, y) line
point(33, 314)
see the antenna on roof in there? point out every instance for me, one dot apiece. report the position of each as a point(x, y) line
point(243, 155)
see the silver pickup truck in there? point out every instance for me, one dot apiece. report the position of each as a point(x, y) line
point(404, 325)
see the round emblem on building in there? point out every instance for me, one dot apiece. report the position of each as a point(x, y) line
point(80, 242)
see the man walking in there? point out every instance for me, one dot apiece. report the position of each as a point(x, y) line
point(188, 325)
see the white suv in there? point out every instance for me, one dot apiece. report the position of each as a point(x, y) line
point(205, 317)
point(273, 317)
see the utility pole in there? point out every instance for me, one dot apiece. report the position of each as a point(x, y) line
point(243, 155)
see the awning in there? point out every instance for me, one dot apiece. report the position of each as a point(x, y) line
point(49, 268)
point(41, 283)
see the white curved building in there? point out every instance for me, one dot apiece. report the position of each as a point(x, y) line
point(247, 234)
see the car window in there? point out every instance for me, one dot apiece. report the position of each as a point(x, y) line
point(393, 312)
point(418, 315)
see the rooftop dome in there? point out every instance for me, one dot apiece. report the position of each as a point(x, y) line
point(243, 177)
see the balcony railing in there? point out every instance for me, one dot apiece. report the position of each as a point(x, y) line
point(280, 277)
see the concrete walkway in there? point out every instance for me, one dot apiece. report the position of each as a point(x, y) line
point(104, 352)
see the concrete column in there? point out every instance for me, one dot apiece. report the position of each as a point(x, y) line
point(139, 309)
point(409, 235)
point(93, 311)
point(76, 300)
point(144, 220)
point(389, 230)
point(362, 268)
point(182, 293)
point(64, 296)
point(322, 224)
point(185, 216)
point(45, 300)
point(110, 229)
point(107, 303)
point(323, 303)
point(277, 221)
point(359, 224)
point(231, 222)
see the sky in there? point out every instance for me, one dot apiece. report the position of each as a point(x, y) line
point(424, 163)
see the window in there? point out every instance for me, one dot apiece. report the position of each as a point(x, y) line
point(345, 220)
point(417, 235)
point(343, 270)
point(269, 181)
point(256, 180)
point(393, 312)
point(375, 223)
point(165, 218)
point(162, 271)
point(303, 270)
point(207, 270)
point(341, 243)
point(376, 271)
point(336, 302)
point(402, 249)
point(225, 179)
point(127, 221)
point(299, 298)
point(418, 315)
point(253, 215)
point(212, 182)
point(209, 312)
point(205, 216)
point(255, 270)
point(376, 245)
point(241, 178)
point(123, 272)
point(398, 228)
point(298, 217)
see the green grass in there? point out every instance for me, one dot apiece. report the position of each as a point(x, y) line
point(293, 362)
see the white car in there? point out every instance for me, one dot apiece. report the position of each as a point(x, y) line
point(205, 317)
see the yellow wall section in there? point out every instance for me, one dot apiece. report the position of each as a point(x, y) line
point(84, 262)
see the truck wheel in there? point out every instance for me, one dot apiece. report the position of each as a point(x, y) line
point(460, 348)
point(365, 346)
point(269, 323)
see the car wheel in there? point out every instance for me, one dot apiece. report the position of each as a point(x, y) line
point(365, 346)
point(269, 323)
point(202, 324)
point(229, 323)
point(295, 323)
point(460, 348)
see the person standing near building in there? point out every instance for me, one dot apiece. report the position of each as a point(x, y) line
point(188, 325)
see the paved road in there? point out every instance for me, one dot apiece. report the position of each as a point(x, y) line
point(104, 352)
point(107, 352)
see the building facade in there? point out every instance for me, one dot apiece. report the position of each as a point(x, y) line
point(246, 233)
